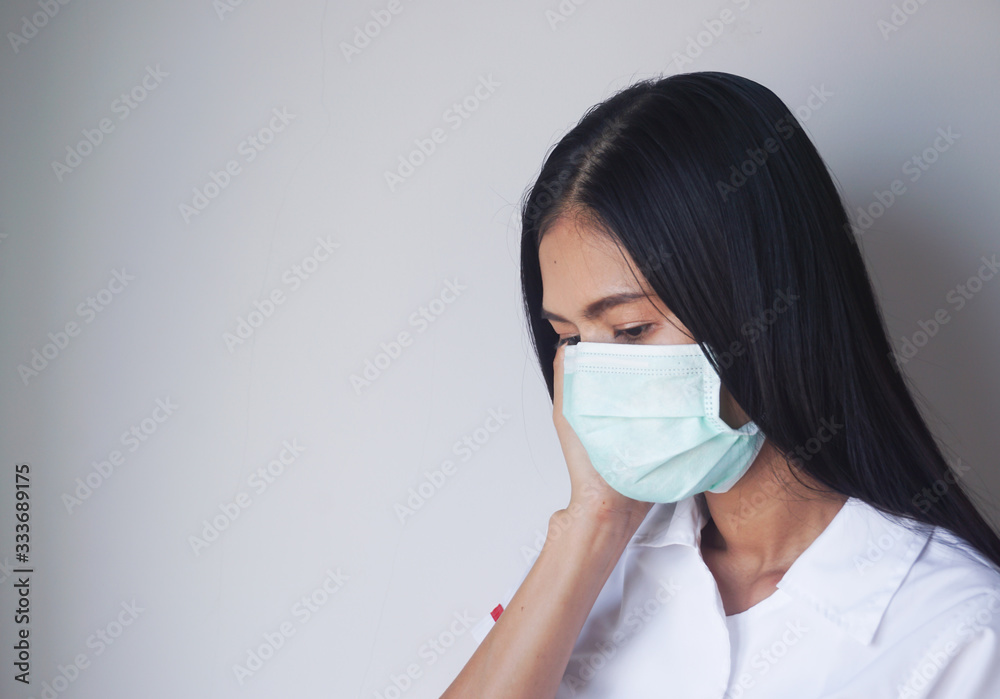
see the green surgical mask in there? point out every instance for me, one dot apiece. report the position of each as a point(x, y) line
point(648, 416)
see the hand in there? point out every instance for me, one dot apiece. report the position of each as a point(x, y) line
point(588, 487)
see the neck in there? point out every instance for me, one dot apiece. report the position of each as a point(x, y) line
point(768, 517)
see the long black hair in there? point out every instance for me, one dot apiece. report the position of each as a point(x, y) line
point(713, 188)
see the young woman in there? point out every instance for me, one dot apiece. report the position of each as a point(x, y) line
point(757, 507)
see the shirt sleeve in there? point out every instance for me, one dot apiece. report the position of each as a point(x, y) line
point(481, 629)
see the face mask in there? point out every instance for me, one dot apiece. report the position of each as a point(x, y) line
point(648, 416)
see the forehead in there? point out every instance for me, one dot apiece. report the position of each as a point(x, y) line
point(580, 264)
point(575, 253)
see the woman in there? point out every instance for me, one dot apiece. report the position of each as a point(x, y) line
point(757, 507)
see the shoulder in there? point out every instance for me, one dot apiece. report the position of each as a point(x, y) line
point(907, 577)
point(951, 577)
point(950, 596)
point(949, 567)
point(940, 630)
point(933, 560)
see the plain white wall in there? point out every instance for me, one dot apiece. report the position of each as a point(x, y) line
point(214, 73)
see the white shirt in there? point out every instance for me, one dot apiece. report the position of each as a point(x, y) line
point(870, 610)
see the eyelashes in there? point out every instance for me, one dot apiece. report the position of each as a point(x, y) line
point(629, 335)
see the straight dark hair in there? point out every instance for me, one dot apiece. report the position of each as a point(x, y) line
point(713, 188)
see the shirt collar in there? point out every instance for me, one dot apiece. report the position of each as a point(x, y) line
point(848, 574)
point(674, 523)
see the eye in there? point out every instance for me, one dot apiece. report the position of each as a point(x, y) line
point(628, 335)
point(634, 333)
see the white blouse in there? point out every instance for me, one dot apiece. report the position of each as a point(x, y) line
point(870, 610)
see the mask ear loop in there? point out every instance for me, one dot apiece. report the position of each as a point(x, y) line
point(712, 390)
point(757, 445)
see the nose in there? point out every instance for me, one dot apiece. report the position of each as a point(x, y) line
point(607, 337)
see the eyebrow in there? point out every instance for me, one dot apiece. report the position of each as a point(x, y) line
point(597, 308)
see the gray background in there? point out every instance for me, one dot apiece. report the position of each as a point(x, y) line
point(406, 577)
